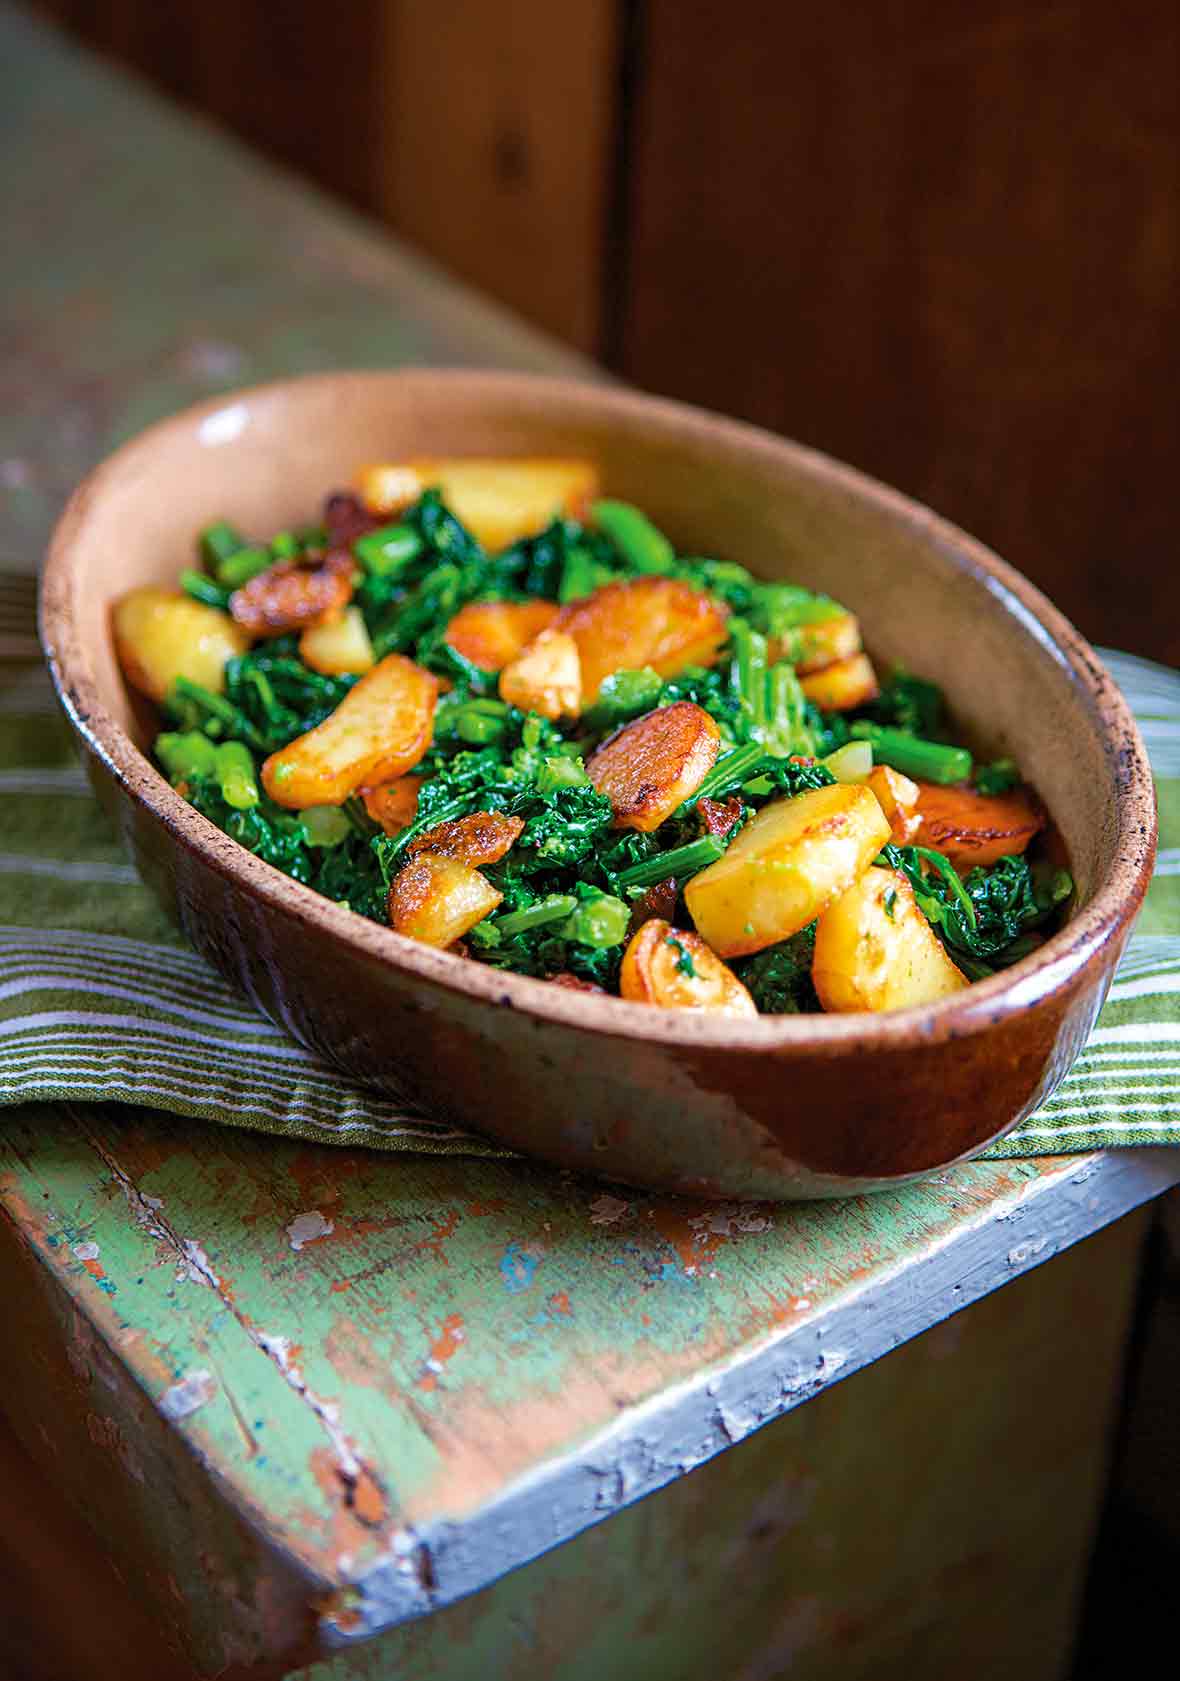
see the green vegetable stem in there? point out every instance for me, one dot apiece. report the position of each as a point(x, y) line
point(930, 761)
point(644, 547)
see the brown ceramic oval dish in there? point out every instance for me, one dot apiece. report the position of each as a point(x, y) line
point(783, 1107)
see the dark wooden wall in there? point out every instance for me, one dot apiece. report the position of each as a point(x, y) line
point(942, 242)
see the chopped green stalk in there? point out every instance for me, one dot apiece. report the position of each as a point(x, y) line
point(600, 922)
point(217, 542)
point(635, 537)
point(561, 773)
point(852, 762)
point(286, 546)
point(786, 729)
point(681, 862)
point(749, 669)
point(186, 756)
point(238, 568)
point(235, 772)
point(553, 909)
point(479, 729)
point(779, 608)
point(579, 575)
point(325, 825)
point(623, 695)
point(387, 552)
point(202, 588)
point(950, 875)
point(730, 772)
point(930, 761)
point(186, 699)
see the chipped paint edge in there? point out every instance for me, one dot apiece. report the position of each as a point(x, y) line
point(432, 1566)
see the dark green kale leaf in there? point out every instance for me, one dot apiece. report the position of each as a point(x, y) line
point(908, 703)
point(989, 918)
point(779, 978)
point(280, 696)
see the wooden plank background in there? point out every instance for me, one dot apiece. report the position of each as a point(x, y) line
point(940, 242)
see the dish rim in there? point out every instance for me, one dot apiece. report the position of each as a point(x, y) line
point(1064, 957)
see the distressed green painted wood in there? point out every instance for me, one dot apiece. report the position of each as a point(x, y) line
point(305, 1394)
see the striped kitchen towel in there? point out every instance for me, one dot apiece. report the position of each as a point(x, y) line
point(100, 998)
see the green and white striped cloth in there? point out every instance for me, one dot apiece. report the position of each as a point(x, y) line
point(101, 999)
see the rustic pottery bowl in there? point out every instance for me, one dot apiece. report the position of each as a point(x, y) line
point(782, 1108)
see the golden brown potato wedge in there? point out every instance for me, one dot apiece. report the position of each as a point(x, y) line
point(660, 622)
point(786, 866)
point(812, 647)
point(842, 685)
point(499, 501)
point(976, 828)
point(379, 731)
point(161, 635)
point(546, 677)
point(481, 838)
point(340, 648)
point(436, 899)
point(292, 595)
point(650, 766)
point(492, 633)
point(392, 804)
point(874, 950)
point(898, 797)
point(676, 970)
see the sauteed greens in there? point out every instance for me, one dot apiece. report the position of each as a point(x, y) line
point(483, 704)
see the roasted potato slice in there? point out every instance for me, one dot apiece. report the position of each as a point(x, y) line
point(973, 828)
point(381, 729)
point(294, 595)
point(392, 804)
point(436, 899)
point(498, 501)
point(898, 797)
point(492, 633)
point(842, 685)
point(786, 866)
point(482, 838)
point(676, 970)
point(653, 621)
point(546, 677)
point(340, 648)
point(874, 950)
point(161, 635)
point(650, 766)
point(812, 647)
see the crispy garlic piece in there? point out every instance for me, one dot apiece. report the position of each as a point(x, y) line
point(546, 677)
point(812, 647)
point(785, 867)
point(653, 621)
point(481, 838)
point(874, 949)
point(652, 765)
point(492, 633)
point(161, 635)
point(898, 797)
point(677, 970)
point(293, 595)
point(976, 828)
point(340, 648)
point(499, 501)
point(437, 900)
point(842, 685)
point(379, 731)
point(392, 804)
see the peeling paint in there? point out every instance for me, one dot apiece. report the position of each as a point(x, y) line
point(309, 1228)
point(187, 1394)
point(605, 1210)
point(517, 1267)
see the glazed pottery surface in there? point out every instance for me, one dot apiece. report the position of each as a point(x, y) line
point(780, 1107)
